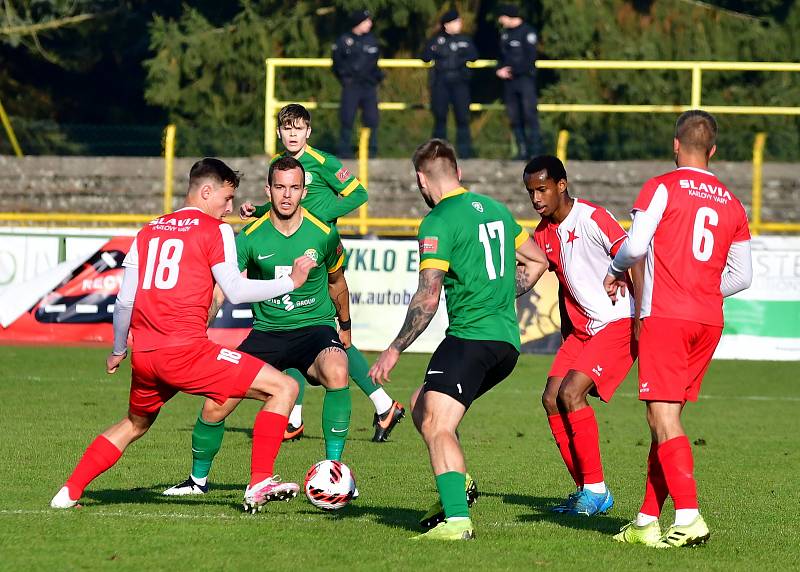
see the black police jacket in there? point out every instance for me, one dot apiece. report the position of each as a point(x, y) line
point(518, 50)
point(355, 59)
point(450, 55)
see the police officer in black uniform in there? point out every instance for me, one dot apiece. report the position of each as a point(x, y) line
point(515, 67)
point(355, 63)
point(450, 50)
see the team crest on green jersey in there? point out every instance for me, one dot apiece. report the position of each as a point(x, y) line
point(477, 206)
point(312, 254)
point(309, 178)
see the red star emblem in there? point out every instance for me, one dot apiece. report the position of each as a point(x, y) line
point(572, 236)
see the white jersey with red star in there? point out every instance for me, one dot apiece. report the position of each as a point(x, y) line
point(579, 250)
point(174, 255)
point(698, 219)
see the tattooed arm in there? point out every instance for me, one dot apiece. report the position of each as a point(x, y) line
point(337, 289)
point(531, 264)
point(217, 299)
point(421, 310)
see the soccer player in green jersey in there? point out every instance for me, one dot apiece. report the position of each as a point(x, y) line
point(332, 193)
point(472, 245)
point(296, 330)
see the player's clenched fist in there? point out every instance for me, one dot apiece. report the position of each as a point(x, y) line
point(246, 210)
point(113, 361)
point(300, 269)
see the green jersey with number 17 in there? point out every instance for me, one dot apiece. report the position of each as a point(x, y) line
point(473, 238)
point(266, 253)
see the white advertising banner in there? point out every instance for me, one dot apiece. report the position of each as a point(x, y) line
point(382, 276)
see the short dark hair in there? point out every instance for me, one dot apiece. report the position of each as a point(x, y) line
point(213, 168)
point(549, 163)
point(435, 158)
point(696, 129)
point(291, 113)
point(286, 163)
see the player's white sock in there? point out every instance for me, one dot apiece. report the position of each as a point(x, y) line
point(643, 519)
point(296, 416)
point(200, 480)
point(597, 488)
point(684, 516)
point(381, 400)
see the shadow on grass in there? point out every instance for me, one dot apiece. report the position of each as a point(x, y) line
point(398, 517)
point(153, 495)
point(540, 507)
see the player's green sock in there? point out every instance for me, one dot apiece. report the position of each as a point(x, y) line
point(301, 384)
point(451, 487)
point(336, 421)
point(359, 370)
point(206, 441)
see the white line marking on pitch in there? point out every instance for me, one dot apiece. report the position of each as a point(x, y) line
point(184, 516)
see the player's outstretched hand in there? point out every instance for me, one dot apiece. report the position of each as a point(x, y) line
point(380, 370)
point(300, 269)
point(614, 287)
point(113, 361)
point(246, 210)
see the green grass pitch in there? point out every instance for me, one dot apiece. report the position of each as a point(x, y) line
point(54, 401)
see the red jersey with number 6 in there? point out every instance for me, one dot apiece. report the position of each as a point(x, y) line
point(174, 255)
point(699, 219)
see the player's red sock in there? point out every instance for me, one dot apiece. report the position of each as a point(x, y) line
point(655, 488)
point(98, 458)
point(586, 440)
point(561, 436)
point(678, 465)
point(267, 437)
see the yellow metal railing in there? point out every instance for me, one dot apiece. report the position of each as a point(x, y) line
point(169, 169)
point(389, 226)
point(9, 131)
point(272, 104)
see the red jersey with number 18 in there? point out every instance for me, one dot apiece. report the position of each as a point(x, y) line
point(174, 254)
point(699, 219)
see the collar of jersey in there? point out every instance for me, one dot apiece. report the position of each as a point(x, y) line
point(454, 192)
point(695, 169)
point(302, 220)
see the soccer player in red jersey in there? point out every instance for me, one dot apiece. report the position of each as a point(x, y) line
point(694, 235)
point(170, 272)
point(579, 239)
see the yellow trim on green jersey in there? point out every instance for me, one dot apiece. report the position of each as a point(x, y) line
point(521, 238)
point(338, 264)
point(313, 152)
point(351, 187)
point(275, 156)
point(312, 219)
point(257, 223)
point(434, 263)
point(454, 192)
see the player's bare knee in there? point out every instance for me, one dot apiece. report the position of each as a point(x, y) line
point(570, 397)
point(549, 402)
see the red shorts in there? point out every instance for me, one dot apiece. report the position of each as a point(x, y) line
point(202, 368)
point(606, 357)
point(675, 355)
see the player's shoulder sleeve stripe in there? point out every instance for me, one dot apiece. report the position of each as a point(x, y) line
point(254, 225)
point(275, 157)
point(435, 263)
point(316, 222)
point(228, 243)
point(338, 264)
point(316, 154)
point(521, 238)
point(354, 184)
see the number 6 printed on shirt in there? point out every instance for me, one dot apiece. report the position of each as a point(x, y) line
point(702, 237)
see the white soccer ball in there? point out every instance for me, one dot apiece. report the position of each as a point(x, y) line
point(330, 485)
